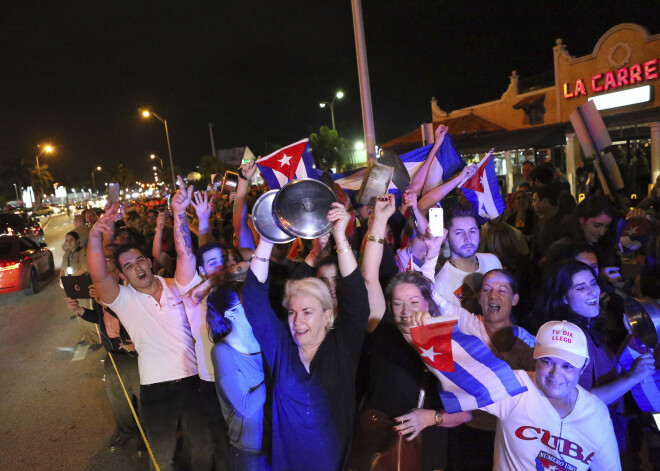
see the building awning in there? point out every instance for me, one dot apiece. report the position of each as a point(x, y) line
point(538, 137)
point(529, 102)
point(459, 126)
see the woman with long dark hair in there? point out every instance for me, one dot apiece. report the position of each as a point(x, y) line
point(571, 293)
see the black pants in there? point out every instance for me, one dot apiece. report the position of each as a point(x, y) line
point(219, 443)
point(128, 369)
point(161, 406)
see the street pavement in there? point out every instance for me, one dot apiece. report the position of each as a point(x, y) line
point(53, 410)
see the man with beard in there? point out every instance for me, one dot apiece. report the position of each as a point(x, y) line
point(462, 274)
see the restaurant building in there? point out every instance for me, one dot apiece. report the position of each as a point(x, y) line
point(531, 119)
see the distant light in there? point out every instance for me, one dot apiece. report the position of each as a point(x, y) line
point(146, 113)
point(340, 94)
point(628, 97)
point(153, 156)
point(48, 149)
point(322, 105)
point(154, 167)
point(359, 145)
point(98, 168)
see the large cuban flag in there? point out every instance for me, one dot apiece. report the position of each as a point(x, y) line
point(646, 393)
point(289, 163)
point(483, 191)
point(447, 163)
point(471, 375)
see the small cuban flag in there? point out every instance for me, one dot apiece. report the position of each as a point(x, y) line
point(471, 375)
point(292, 162)
point(483, 191)
point(646, 393)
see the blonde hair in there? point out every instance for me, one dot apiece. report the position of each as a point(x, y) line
point(311, 287)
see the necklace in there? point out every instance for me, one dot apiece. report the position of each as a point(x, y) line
point(475, 259)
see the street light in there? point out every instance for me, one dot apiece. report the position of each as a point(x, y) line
point(147, 114)
point(339, 95)
point(43, 149)
point(97, 169)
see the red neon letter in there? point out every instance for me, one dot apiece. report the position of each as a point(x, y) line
point(567, 94)
point(609, 80)
point(622, 77)
point(635, 73)
point(651, 69)
point(594, 87)
point(580, 88)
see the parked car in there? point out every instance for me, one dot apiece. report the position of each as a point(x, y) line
point(24, 264)
point(45, 210)
point(20, 223)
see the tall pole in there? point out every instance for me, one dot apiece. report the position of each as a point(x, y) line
point(93, 183)
point(38, 182)
point(332, 113)
point(363, 75)
point(169, 150)
point(212, 143)
point(16, 188)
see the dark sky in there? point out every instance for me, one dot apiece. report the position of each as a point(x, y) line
point(75, 73)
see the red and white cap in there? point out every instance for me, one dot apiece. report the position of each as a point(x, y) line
point(562, 339)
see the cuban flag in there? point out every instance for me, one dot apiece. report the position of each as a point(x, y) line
point(646, 393)
point(446, 164)
point(550, 462)
point(470, 374)
point(483, 191)
point(289, 163)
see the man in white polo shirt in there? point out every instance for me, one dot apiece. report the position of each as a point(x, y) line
point(461, 276)
point(154, 315)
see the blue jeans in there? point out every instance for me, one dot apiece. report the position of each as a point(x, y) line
point(241, 460)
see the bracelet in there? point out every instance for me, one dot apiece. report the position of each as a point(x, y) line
point(240, 173)
point(344, 250)
point(376, 239)
point(261, 259)
point(439, 417)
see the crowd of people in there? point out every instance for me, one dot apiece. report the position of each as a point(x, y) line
point(300, 356)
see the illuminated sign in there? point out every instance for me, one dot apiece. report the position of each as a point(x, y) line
point(631, 96)
point(636, 73)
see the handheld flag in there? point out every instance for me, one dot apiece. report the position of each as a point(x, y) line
point(470, 374)
point(483, 191)
point(447, 163)
point(289, 163)
point(646, 393)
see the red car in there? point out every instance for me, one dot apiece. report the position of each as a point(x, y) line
point(23, 264)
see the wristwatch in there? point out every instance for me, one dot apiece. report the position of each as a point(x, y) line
point(240, 174)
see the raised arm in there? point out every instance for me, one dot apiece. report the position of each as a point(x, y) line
point(106, 286)
point(373, 254)
point(239, 218)
point(440, 191)
point(185, 258)
point(261, 260)
point(419, 179)
point(203, 208)
point(345, 256)
point(157, 253)
point(409, 201)
point(642, 368)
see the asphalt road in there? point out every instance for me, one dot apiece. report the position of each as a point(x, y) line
point(53, 410)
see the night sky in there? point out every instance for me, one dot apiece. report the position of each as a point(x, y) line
point(75, 73)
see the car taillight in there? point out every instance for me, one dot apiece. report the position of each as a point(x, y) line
point(10, 231)
point(8, 265)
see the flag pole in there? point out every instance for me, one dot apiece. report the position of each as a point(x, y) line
point(363, 75)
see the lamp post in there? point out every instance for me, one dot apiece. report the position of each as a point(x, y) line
point(339, 95)
point(43, 149)
point(153, 157)
point(97, 169)
point(16, 188)
point(147, 114)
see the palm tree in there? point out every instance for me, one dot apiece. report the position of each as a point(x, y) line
point(41, 180)
point(327, 148)
point(123, 175)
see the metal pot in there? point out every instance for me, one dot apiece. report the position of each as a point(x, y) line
point(229, 182)
point(301, 208)
point(264, 220)
point(642, 316)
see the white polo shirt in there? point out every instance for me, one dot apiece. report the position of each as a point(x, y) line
point(161, 332)
point(454, 284)
point(531, 434)
point(200, 331)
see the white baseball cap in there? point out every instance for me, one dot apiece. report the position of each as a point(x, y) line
point(562, 339)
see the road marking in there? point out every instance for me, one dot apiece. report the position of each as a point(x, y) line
point(65, 349)
point(80, 353)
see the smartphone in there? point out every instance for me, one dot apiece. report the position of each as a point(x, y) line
point(113, 192)
point(436, 221)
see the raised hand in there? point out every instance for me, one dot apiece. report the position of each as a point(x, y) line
point(203, 207)
point(249, 168)
point(440, 132)
point(385, 206)
point(410, 199)
point(340, 217)
point(106, 223)
point(182, 198)
point(433, 244)
point(160, 220)
point(468, 171)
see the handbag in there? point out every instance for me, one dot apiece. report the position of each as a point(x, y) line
point(378, 447)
